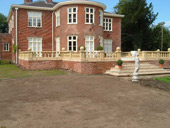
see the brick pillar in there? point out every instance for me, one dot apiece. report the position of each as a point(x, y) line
point(27, 1)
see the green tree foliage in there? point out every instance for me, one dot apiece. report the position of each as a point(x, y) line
point(3, 24)
point(136, 25)
point(157, 37)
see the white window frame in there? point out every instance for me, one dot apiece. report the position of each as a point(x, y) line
point(35, 40)
point(36, 16)
point(89, 13)
point(57, 18)
point(109, 47)
point(72, 40)
point(89, 40)
point(100, 18)
point(106, 23)
point(72, 15)
point(6, 47)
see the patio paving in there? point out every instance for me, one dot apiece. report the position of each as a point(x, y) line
point(81, 101)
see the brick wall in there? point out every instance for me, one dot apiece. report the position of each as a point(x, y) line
point(5, 55)
point(80, 67)
point(115, 35)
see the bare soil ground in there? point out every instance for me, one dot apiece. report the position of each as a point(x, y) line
point(81, 101)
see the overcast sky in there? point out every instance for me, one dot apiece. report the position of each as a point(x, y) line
point(160, 6)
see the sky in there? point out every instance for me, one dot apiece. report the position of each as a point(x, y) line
point(160, 6)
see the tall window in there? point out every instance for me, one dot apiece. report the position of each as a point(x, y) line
point(107, 45)
point(89, 43)
point(6, 47)
point(107, 24)
point(89, 15)
point(100, 17)
point(58, 18)
point(72, 43)
point(34, 19)
point(72, 15)
point(35, 44)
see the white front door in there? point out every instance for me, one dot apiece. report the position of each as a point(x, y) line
point(108, 45)
point(58, 44)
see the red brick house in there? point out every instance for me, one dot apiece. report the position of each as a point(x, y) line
point(52, 26)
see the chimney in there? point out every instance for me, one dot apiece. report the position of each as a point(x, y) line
point(27, 1)
point(49, 1)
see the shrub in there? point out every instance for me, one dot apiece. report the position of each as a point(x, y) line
point(2, 62)
point(99, 48)
point(119, 62)
point(161, 61)
point(14, 48)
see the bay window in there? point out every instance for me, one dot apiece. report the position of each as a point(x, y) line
point(72, 15)
point(100, 17)
point(89, 12)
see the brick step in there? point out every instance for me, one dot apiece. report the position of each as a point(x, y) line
point(123, 74)
point(132, 68)
point(141, 70)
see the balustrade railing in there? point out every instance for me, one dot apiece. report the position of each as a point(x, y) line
point(92, 56)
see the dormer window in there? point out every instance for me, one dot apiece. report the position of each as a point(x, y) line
point(34, 19)
point(89, 15)
point(72, 15)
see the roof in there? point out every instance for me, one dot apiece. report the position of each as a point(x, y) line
point(41, 4)
point(113, 14)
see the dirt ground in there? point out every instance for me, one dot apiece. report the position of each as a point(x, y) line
point(82, 101)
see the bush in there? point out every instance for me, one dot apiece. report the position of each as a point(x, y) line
point(99, 48)
point(161, 61)
point(2, 62)
point(119, 62)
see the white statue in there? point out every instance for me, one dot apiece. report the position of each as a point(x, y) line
point(135, 77)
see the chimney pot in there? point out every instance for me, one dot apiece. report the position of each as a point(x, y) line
point(27, 1)
point(49, 1)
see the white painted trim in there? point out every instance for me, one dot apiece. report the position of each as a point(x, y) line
point(108, 24)
point(114, 15)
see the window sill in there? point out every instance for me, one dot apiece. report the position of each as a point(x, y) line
point(108, 30)
point(34, 27)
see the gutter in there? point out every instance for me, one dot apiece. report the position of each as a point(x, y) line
point(52, 32)
point(114, 15)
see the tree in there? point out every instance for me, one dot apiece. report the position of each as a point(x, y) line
point(136, 25)
point(157, 37)
point(3, 24)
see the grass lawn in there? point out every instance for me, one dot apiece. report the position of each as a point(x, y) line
point(164, 79)
point(11, 71)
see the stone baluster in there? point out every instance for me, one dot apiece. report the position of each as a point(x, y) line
point(158, 54)
point(118, 53)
